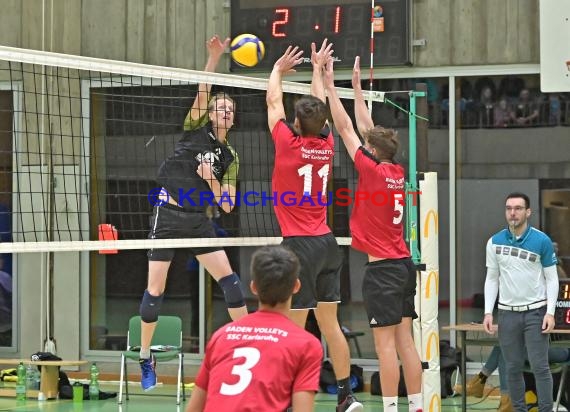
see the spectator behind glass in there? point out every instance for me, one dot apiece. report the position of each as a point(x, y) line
point(510, 87)
point(502, 113)
point(554, 109)
point(559, 266)
point(526, 111)
point(485, 107)
point(432, 99)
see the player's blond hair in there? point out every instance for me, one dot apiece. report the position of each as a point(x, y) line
point(385, 141)
point(219, 96)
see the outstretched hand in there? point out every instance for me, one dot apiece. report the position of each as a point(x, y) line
point(216, 46)
point(328, 73)
point(291, 58)
point(356, 74)
point(319, 58)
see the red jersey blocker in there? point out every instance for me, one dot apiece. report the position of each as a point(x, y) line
point(302, 169)
point(258, 362)
point(303, 165)
point(376, 225)
point(389, 285)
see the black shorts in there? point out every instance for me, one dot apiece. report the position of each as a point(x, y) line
point(388, 289)
point(321, 261)
point(171, 222)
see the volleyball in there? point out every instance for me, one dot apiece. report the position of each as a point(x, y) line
point(247, 50)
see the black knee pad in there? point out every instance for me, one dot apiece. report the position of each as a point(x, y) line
point(231, 285)
point(150, 307)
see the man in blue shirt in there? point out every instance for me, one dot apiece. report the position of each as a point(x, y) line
point(521, 269)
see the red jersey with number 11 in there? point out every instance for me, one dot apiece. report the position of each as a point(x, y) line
point(302, 168)
point(376, 223)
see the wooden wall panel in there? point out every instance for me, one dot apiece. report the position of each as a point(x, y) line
point(476, 32)
point(156, 42)
point(135, 31)
point(65, 34)
point(468, 34)
point(528, 27)
point(30, 24)
point(103, 29)
point(432, 24)
point(200, 35)
point(11, 23)
point(182, 54)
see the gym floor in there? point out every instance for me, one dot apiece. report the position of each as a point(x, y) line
point(161, 399)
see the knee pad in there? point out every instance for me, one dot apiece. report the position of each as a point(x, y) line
point(231, 285)
point(150, 307)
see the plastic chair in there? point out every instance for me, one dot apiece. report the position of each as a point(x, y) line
point(167, 340)
point(561, 367)
point(564, 368)
point(352, 335)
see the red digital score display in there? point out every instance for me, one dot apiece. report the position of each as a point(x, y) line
point(562, 312)
point(346, 24)
point(282, 19)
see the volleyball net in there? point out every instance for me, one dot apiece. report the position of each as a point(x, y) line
point(82, 140)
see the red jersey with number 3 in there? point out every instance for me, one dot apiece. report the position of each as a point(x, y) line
point(302, 168)
point(376, 223)
point(257, 362)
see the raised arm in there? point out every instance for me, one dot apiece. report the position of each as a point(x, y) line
point(215, 48)
point(363, 119)
point(274, 98)
point(341, 119)
point(318, 60)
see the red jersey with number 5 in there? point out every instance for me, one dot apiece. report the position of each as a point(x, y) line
point(302, 169)
point(376, 221)
point(257, 362)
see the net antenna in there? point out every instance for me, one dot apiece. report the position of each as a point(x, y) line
point(371, 54)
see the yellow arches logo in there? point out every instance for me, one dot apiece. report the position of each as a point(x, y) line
point(431, 214)
point(435, 402)
point(435, 276)
point(432, 339)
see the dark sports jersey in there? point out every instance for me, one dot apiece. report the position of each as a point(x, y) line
point(177, 174)
point(376, 226)
point(258, 362)
point(302, 168)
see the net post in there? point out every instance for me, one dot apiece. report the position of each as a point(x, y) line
point(412, 185)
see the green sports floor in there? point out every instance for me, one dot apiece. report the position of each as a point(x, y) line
point(161, 400)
